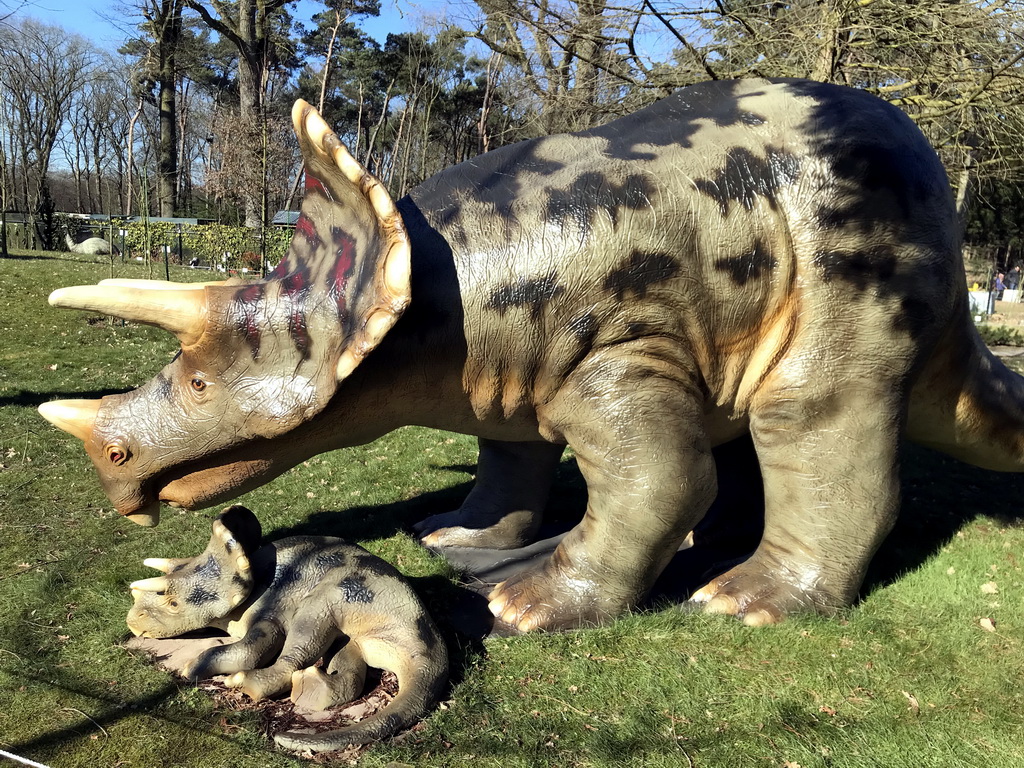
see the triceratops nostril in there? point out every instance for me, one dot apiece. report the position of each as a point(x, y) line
point(116, 453)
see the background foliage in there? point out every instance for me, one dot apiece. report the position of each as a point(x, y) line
point(190, 115)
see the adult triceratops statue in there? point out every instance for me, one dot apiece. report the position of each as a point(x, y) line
point(774, 257)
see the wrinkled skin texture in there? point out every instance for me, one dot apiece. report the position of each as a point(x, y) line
point(288, 603)
point(778, 258)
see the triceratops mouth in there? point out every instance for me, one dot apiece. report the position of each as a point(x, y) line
point(218, 479)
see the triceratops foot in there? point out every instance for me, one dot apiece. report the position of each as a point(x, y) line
point(552, 596)
point(462, 528)
point(759, 595)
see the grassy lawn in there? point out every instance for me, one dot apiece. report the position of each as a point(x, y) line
point(925, 671)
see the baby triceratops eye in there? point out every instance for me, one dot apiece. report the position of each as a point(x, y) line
point(198, 385)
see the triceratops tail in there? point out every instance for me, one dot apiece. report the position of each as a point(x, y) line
point(969, 405)
point(421, 681)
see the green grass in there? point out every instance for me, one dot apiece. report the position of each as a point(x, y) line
point(909, 677)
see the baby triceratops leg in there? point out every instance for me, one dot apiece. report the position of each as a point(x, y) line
point(258, 645)
point(343, 681)
point(305, 643)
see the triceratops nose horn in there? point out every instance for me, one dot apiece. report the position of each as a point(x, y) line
point(76, 417)
point(182, 311)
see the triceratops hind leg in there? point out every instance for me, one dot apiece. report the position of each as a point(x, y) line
point(504, 509)
point(635, 422)
point(342, 682)
point(828, 455)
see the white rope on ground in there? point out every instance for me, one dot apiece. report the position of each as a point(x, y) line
point(22, 760)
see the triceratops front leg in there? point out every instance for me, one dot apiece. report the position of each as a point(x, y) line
point(259, 644)
point(635, 423)
point(504, 509)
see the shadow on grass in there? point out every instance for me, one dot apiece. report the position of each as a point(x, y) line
point(940, 496)
point(35, 399)
point(43, 670)
point(31, 257)
point(116, 709)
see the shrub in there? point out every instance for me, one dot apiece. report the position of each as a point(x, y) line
point(1000, 336)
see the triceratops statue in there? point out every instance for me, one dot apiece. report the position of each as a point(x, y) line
point(772, 257)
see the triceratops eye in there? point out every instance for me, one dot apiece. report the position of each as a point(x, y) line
point(116, 453)
point(198, 385)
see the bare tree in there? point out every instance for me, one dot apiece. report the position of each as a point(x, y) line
point(42, 68)
point(248, 26)
point(571, 55)
point(163, 28)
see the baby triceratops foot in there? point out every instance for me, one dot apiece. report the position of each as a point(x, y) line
point(551, 597)
point(758, 595)
point(314, 690)
point(259, 683)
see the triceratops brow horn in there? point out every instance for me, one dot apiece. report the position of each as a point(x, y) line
point(182, 311)
point(76, 417)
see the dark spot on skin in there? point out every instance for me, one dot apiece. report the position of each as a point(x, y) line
point(636, 330)
point(245, 307)
point(495, 179)
point(239, 581)
point(584, 328)
point(641, 272)
point(884, 170)
point(425, 631)
point(675, 119)
point(916, 316)
point(354, 590)
point(209, 569)
point(525, 292)
point(860, 269)
point(179, 567)
point(878, 272)
point(200, 595)
point(749, 118)
point(746, 177)
point(287, 574)
point(163, 387)
point(327, 560)
point(592, 193)
point(750, 266)
point(376, 566)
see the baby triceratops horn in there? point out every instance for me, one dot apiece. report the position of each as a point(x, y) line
point(155, 584)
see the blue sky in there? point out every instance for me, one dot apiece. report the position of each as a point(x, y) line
point(89, 18)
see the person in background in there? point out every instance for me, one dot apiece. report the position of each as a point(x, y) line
point(1013, 279)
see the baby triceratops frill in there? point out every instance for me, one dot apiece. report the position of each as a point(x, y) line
point(290, 602)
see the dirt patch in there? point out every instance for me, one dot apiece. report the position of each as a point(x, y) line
point(274, 715)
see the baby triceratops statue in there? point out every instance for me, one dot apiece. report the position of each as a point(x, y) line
point(289, 602)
